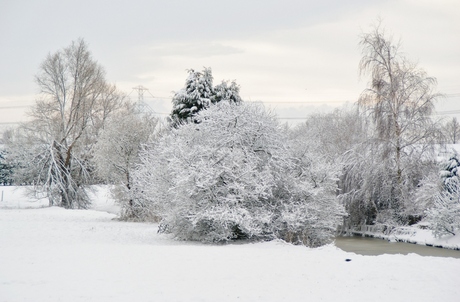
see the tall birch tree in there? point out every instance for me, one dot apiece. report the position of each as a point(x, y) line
point(400, 99)
point(55, 147)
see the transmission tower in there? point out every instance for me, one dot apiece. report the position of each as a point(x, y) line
point(141, 105)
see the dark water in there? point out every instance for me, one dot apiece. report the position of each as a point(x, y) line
point(375, 246)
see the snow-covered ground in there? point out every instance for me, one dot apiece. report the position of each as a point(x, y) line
point(23, 197)
point(52, 254)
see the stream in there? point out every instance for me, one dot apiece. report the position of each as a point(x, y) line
point(374, 246)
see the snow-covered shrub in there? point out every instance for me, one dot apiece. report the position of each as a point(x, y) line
point(444, 216)
point(233, 176)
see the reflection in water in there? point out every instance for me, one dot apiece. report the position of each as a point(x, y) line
point(375, 246)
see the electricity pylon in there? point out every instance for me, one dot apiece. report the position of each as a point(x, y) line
point(141, 106)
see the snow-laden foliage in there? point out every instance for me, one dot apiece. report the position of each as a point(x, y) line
point(227, 92)
point(199, 93)
point(232, 176)
point(332, 134)
point(424, 195)
point(6, 169)
point(450, 171)
point(195, 96)
point(373, 192)
point(444, 216)
point(116, 153)
point(383, 173)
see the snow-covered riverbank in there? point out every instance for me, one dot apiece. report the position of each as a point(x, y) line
point(417, 234)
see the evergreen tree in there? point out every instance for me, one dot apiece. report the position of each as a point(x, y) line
point(199, 93)
point(195, 96)
point(230, 93)
point(6, 170)
point(450, 171)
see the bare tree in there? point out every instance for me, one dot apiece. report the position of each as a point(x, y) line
point(452, 131)
point(332, 134)
point(117, 153)
point(75, 101)
point(400, 99)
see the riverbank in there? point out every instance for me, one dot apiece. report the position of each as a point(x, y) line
point(416, 234)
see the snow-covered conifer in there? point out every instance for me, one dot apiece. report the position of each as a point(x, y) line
point(199, 93)
point(195, 96)
point(228, 92)
point(450, 171)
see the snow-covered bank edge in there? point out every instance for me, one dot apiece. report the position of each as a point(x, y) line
point(416, 234)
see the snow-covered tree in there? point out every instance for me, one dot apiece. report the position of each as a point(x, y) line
point(444, 216)
point(369, 185)
point(400, 99)
point(6, 169)
point(339, 138)
point(116, 152)
point(450, 171)
point(232, 176)
point(227, 92)
point(332, 134)
point(423, 196)
point(195, 96)
point(53, 150)
point(199, 93)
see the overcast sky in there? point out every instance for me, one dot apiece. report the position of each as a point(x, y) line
point(295, 56)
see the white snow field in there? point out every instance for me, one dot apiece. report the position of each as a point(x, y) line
point(53, 254)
